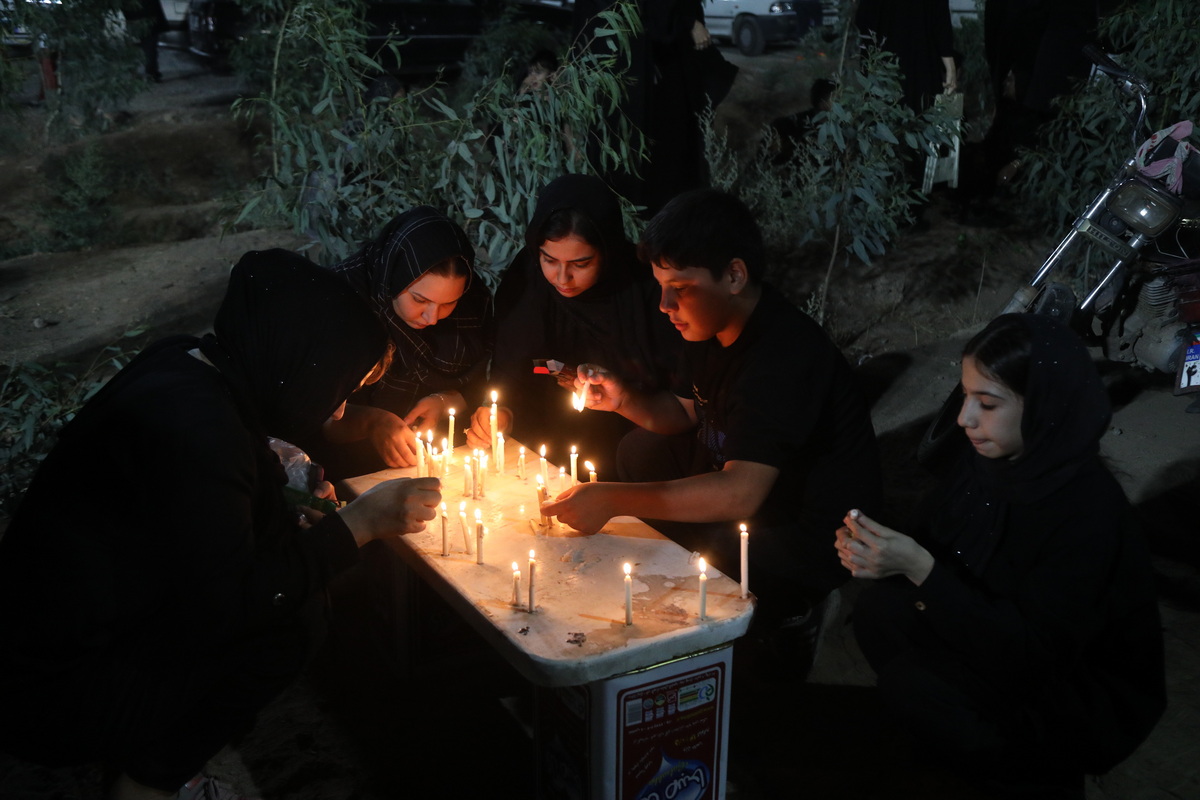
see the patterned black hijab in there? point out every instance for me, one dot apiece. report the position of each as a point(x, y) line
point(438, 356)
point(292, 340)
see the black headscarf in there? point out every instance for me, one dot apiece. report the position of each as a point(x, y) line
point(438, 356)
point(1066, 413)
point(614, 322)
point(292, 340)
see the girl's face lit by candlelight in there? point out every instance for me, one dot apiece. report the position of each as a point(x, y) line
point(570, 264)
point(429, 299)
point(991, 413)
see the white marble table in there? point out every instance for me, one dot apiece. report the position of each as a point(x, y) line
point(577, 634)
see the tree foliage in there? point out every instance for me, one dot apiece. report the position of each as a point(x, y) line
point(96, 54)
point(1080, 148)
point(346, 157)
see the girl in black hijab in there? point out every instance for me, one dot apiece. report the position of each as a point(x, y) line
point(156, 589)
point(576, 293)
point(1018, 631)
point(418, 275)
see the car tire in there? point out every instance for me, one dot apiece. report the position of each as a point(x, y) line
point(748, 36)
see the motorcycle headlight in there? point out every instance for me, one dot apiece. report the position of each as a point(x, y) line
point(780, 8)
point(1146, 207)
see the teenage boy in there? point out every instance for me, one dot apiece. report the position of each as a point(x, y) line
point(765, 424)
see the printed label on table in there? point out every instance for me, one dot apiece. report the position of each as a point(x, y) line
point(670, 741)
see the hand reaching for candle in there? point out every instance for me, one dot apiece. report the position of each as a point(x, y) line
point(392, 507)
point(603, 391)
point(871, 550)
point(395, 441)
point(479, 434)
point(582, 507)
point(427, 411)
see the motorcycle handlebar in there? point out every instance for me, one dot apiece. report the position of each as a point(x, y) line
point(1112, 68)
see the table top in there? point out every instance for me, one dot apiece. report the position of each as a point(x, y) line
point(577, 633)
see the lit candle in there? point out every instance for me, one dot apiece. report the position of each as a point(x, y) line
point(532, 573)
point(445, 458)
point(481, 475)
point(468, 477)
point(445, 535)
point(544, 468)
point(703, 589)
point(478, 536)
point(628, 594)
point(462, 521)
point(450, 431)
point(745, 562)
point(574, 466)
point(516, 598)
point(562, 478)
point(420, 457)
point(430, 472)
point(542, 498)
point(521, 463)
point(499, 453)
point(492, 418)
point(591, 471)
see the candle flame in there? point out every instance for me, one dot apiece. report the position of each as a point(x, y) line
point(478, 515)
point(543, 451)
point(429, 436)
point(521, 450)
point(703, 566)
point(531, 556)
point(538, 478)
point(589, 466)
point(742, 528)
point(572, 449)
point(495, 396)
point(462, 507)
point(443, 508)
point(452, 412)
point(515, 567)
point(628, 568)
point(500, 437)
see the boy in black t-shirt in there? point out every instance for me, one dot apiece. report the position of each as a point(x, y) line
point(765, 424)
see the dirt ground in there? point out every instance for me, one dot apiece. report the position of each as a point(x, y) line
point(901, 319)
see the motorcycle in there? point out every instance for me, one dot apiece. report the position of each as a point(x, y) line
point(1145, 308)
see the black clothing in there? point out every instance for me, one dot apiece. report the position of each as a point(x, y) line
point(615, 323)
point(781, 395)
point(920, 34)
point(155, 589)
point(1040, 614)
point(451, 355)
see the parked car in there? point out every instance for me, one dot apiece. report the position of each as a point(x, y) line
point(753, 24)
point(433, 34)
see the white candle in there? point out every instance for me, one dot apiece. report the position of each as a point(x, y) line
point(478, 536)
point(628, 594)
point(421, 473)
point(703, 589)
point(591, 471)
point(516, 598)
point(450, 431)
point(532, 573)
point(445, 535)
point(481, 476)
point(574, 466)
point(544, 468)
point(562, 478)
point(445, 458)
point(492, 419)
point(468, 477)
point(521, 463)
point(499, 453)
point(745, 562)
point(462, 521)
point(542, 498)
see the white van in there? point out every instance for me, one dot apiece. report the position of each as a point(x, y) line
point(753, 24)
